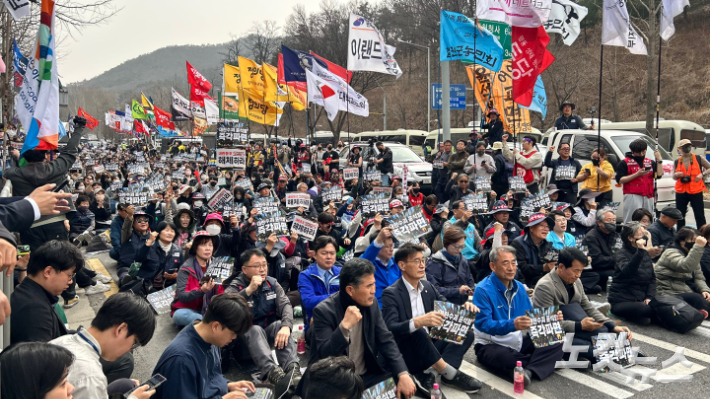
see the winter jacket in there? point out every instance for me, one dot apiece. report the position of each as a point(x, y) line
point(313, 290)
point(558, 244)
point(634, 278)
point(600, 247)
point(529, 257)
point(81, 222)
point(131, 242)
point(268, 304)
point(455, 192)
point(188, 294)
point(447, 277)
point(494, 131)
point(385, 275)
point(530, 160)
point(116, 226)
point(555, 163)
point(456, 163)
point(495, 322)
point(155, 262)
point(101, 214)
point(481, 170)
point(675, 268)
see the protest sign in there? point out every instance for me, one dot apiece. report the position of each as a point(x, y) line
point(116, 185)
point(220, 269)
point(483, 184)
point(219, 199)
point(271, 223)
point(304, 227)
point(517, 184)
point(266, 204)
point(230, 209)
point(136, 169)
point(373, 204)
point(77, 166)
point(457, 323)
point(304, 168)
point(545, 330)
point(409, 225)
point(296, 200)
point(134, 196)
point(386, 190)
point(565, 172)
point(384, 390)
point(111, 167)
point(231, 158)
point(99, 168)
point(334, 193)
point(244, 183)
point(351, 173)
point(372, 175)
point(161, 300)
point(607, 346)
point(476, 203)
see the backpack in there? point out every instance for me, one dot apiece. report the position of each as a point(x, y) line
point(675, 314)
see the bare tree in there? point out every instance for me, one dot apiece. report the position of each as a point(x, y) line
point(235, 48)
point(265, 41)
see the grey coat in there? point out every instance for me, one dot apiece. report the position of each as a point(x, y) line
point(550, 291)
point(674, 268)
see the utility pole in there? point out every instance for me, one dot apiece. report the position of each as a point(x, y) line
point(446, 100)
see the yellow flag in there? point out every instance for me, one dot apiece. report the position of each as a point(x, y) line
point(147, 105)
point(200, 126)
point(278, 92)
point(232, 80)
point(266, 113)
point(252, 77)
point(494, 90)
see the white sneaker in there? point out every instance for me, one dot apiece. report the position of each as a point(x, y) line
point(102, 278)
point(98, 288)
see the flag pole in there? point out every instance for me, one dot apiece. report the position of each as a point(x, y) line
point(473, 108)
point(599, 125)
point(658, 118)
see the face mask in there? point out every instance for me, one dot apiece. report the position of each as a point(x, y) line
point(81, 188)
point(595, 162)
point(198, 204)
point(685, 149)
point(415, 191)
point(610, 226)
point(213, 183)
point(213, 229)
point(239, 197)
point(83, 208)
point(399, 197)
point(480, 153)
point(688, 245)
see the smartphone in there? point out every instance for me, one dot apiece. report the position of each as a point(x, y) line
point(589, 172)
point(23, 250)
point(154, 382)
point(61, 186)
point(649, 168)
point(170, 271)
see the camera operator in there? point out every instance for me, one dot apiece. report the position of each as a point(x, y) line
point(689, 171)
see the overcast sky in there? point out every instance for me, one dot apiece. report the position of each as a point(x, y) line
point(144, 26)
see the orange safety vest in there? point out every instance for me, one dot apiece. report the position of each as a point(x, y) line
point(693, 187)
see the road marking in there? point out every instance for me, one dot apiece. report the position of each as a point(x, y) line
point(495, 382)
point(587, 380)
point(706, 323)
point(679, 369)
point(672, 347)
point(621, 380)
point(97, 266)
point(702, 331)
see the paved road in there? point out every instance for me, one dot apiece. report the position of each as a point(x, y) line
point(578, 384)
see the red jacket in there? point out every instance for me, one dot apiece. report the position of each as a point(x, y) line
point(641, 185)
point(187, 293)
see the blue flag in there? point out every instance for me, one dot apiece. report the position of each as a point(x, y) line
point(20, 63)
point(457, 42)
point(539, 99)
point(296, 62)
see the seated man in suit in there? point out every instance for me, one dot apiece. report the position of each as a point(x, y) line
point(349, 323)
point(409, 313)
point(562, 287)
point(500, 342)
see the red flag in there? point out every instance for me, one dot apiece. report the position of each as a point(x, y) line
point(91, 122)
point(196, 79)
point(162, 118)
point(280, 70)
point(335, 68)
point(530, 59)
point(197, 95)
point(138, 127)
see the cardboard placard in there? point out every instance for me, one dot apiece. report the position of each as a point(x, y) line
point(545, 330)
point(457, 323)
point(297, 199)
point(220, 199)
point(334, 193)
point(305, 228)
point(373, 204)
point(266, 204)
point(351, 173)
point(231, 158)
point(383, 390)
point(271, 223)
point(409, 225)
point(220, 269)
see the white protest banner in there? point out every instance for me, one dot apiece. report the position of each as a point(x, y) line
point(564, 19)
point(220, 199)
point(351, 173)
point(181, 104)
point(18, 8)
point(617, 29)
point(297, 200)
point(367, 50)
point(304, 227)
point(231, 158)
point(334, 193)
point(525, 14)
point(99, 169)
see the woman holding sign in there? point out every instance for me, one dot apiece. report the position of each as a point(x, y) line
point(448, 270)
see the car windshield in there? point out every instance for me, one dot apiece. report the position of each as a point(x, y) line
point(623, 143)
point(404, 154)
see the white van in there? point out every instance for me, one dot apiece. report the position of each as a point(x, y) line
point(670, 133)
point(412, 138)
point(616, 143)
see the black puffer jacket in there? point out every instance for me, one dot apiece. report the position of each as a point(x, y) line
point(634, 278)
point(600, 245)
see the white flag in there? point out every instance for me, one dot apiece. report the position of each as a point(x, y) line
point(564, 19)
point(211, 112)
point(181, 104)
point(524, 14)
point(349, 100)
point(617, 29)
point(18, 8)
point(670, 10)
point(323, 92)
point(367, 50)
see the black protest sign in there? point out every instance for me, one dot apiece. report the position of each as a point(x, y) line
point(607, 346)
point(297, 200)
point(220, 269)
point(517, 184)
point(219, 199)
point(409, 225)
point(244, 183)
point(565, 172)
point(545, 330)
point(161, 300)
point(372, 204)
point(305, 228)
point(476, 203)
point(483, 184)
point(271, 223)
point(386, 389)
point(457, 323)
point(134, 195)
point(266, 204)
point(230, 209)
point(334, 193)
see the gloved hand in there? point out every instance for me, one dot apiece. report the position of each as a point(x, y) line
point(79, 121)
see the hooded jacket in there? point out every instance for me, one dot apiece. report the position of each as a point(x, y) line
point(634, 278)
point(675, 268)
point(447, 277)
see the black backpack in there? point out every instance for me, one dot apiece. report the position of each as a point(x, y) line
point(675, 314)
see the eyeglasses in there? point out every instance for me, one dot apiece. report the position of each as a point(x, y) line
point(463, 181)
point(560, 220)
point(142, 220)
point(419, 261)
point(260, 266)
point(458, 246)
point(71, 276)
point(136, 344)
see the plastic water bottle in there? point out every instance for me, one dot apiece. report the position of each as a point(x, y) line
point(436, 393)
point(301, 343)
point(519, 379)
